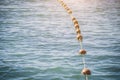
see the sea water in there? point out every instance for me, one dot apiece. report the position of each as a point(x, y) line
point(38, 40)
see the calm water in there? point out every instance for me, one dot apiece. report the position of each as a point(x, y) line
point(37, 40)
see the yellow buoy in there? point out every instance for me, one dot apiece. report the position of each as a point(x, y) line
point(78, 31)
point(73, 18)
point(79, 37)
point(76, 26)
point(64, 5)
point(61, 1)
point(66, 8)
point(75, 22)
point(70, 11)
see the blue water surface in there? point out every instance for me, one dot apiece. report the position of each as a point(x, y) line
point(38, 40)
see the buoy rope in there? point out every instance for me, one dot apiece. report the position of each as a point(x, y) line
point(86, 77)
point(81, 46)
point(84, 63)
point(79, 36)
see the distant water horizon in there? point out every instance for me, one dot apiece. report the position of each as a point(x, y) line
point(38, 40)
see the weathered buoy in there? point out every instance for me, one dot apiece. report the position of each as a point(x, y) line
point(70, 11)
point(64, 5)
point(75, 22)
point(73, 18)
point(78, 31)
point(76, 26)
point(61, 1)
point(86, 71)
point(79, 37)
point(82, 51)
point(66, 8)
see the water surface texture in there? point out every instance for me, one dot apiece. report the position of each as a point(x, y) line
point(38, 40)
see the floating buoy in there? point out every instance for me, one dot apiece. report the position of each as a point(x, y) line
point(67, 9)
point(64, 5)
point(61, 1)
point(79, 37)
point(76, 26)
point(82, 51)
point(70, 11)
point(78, 31)
point(73, 18)
point(75, 22)
point(86, 71)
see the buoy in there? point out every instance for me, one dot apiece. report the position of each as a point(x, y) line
point(76, 26)
point(82, 51)
point(70, 11)
point(79, 37)
point(64, 5)
point(75, 22)
point(73, 18)
point(78, 31)
point(66, 8)
point(61, 1)
point(86, 71)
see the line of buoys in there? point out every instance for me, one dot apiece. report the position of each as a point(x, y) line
point(79, 37)
point(65, 7)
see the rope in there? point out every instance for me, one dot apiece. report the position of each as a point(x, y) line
point(81, 46)
point(86, 77)
point(85, 71)
point(83, 59)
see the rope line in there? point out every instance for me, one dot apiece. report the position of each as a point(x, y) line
point(84, 63)
point(86, 77)
point(81, 46)
point(85, 71)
